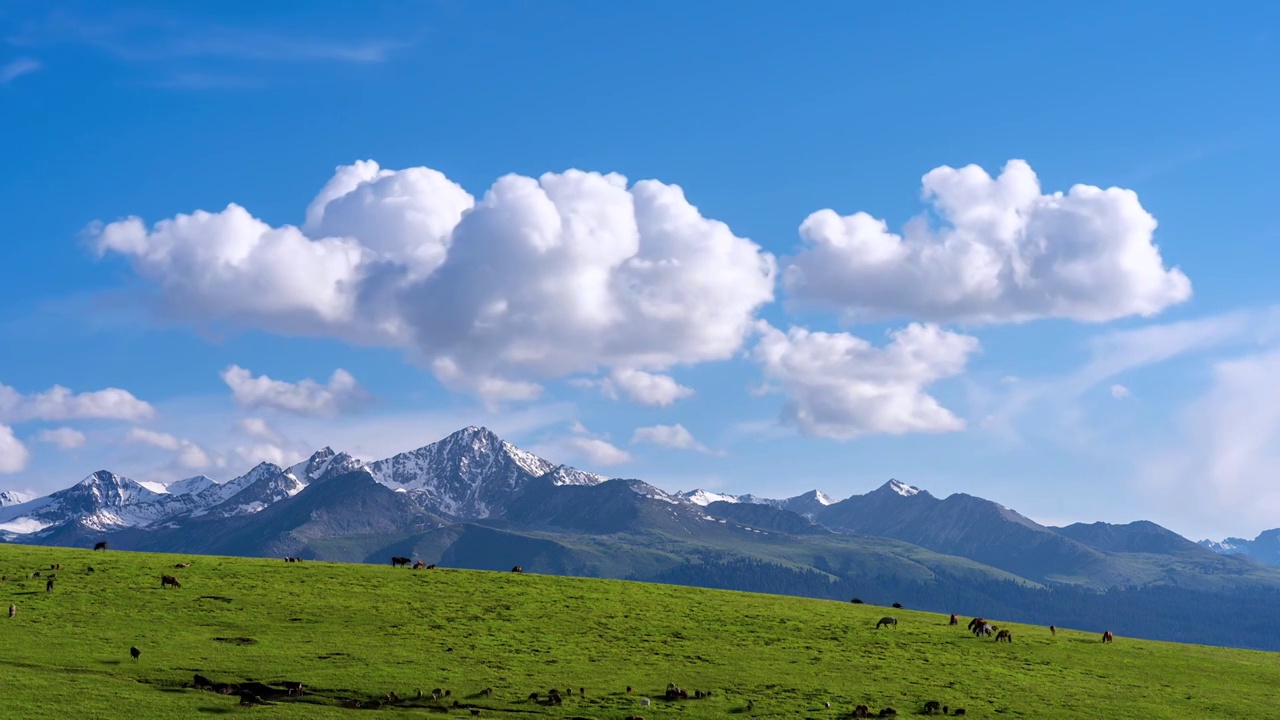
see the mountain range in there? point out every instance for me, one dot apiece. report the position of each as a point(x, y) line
point(475, 500)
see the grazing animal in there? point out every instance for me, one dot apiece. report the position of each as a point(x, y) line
point(635, 717)
point(955, 619)
point(856, 601)
point(959, 711)
point(101, 546)
point(392, 697)
point(933, 707)
point(1108, 637)
point(56, 566)
point(888, 712)
point(628, 689)
point(399, 561)
point(888, 621)
point(419, 565)
point(828, 704)
point(517, 569)
point(475, 711)
point(202, 683)
point(48, 587)
point(533, 696)
point(35, 574)
point(183, 565)
point(644, 702)
point(975, 623)
point(13, 610)
point(167, 580)
point(897, 606)
point(296, 688)
point(985, 628)
point(1053, 630)
point(1004, 636)
point(862, 711)
point(134, 652)
point(432, 566)
point(582, 692)
point(89, 569)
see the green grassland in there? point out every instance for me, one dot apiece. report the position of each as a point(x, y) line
point(362, 631)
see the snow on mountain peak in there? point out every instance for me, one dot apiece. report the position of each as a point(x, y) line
point(13, 497)
point(902, 488)
point(706, 497)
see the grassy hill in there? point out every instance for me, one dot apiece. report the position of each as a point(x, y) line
point(360, 631)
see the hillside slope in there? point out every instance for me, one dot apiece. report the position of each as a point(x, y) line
point(360, 632)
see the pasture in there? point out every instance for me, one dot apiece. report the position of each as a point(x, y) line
point(359, 632)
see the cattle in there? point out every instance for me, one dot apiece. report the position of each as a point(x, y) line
point(644, 702)
point(975, 623)
point(183, 565)
point(862, 711)
point(100, 546)
point(202, 683)
point(533, 696)
point(1053, 630)
point(897, 606)
point(888, 621)
point(56, 566)
point(628, 689)
point(400, 561)
point(296, 688)
point(1108, 637)
point(432, 566)
point(985, 628)
point(856, 601)
point(89, 569)
point(888, 712)
point(135, 653)
point(13, 610)
point(1004, 636)
point(517, 569)
point(48, 587)
point(419, 565)
point(959, 711)
point(167, 580)
point(955, 619)
point(933, 707)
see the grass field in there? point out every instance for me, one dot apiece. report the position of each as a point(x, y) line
point(360, 631)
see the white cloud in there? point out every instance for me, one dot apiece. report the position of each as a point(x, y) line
point(1226, 456)
point(1120, 392)
point(542, 278)
point(598, 451)
point(672, 436)
point(256, 427)
point(841, 386)
point(642, 387)
point(186, 453)
point(15, 69)
point(268, 452)
point(1006, 253)
point(14, 456)
point(65, 437)
point(341, 394)
point(59, 403)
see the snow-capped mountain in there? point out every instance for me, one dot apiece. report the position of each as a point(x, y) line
point(190, 486)
point(13, 497)
point(807, 504)
point(469, 474)
point(1265, 548)
point(101, 501)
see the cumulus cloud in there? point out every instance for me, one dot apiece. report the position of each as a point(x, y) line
point(186, 453)
point(268, 452)
point(1226, 455)
point(653, 389)
point(341, 394)
point(672, 436)
point(541, 278)
point(65, 437)
point(58, 403)
point(840, 386)
point(1006, 252)
point(13, 454)
point(593, 448)
point(1120, 392)
point(256, 427)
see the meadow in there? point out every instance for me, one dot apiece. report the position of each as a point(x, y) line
point(360, 632)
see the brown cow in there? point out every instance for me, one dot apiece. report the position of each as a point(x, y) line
point(955, 619)
point(398, 561)
point(975, 623)
point(432, 566)
point(862, 711)
point(1108, 637)
point(1004, 636)
point(167, 580)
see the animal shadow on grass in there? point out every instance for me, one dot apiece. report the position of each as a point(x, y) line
point(108, 662)
point(215, 710)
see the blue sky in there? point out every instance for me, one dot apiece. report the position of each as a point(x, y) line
point(1069, 361)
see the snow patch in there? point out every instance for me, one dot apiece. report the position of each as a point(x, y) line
point(23, 526)
point(903, 489)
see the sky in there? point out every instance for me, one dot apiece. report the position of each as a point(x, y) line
point(1020, 252)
